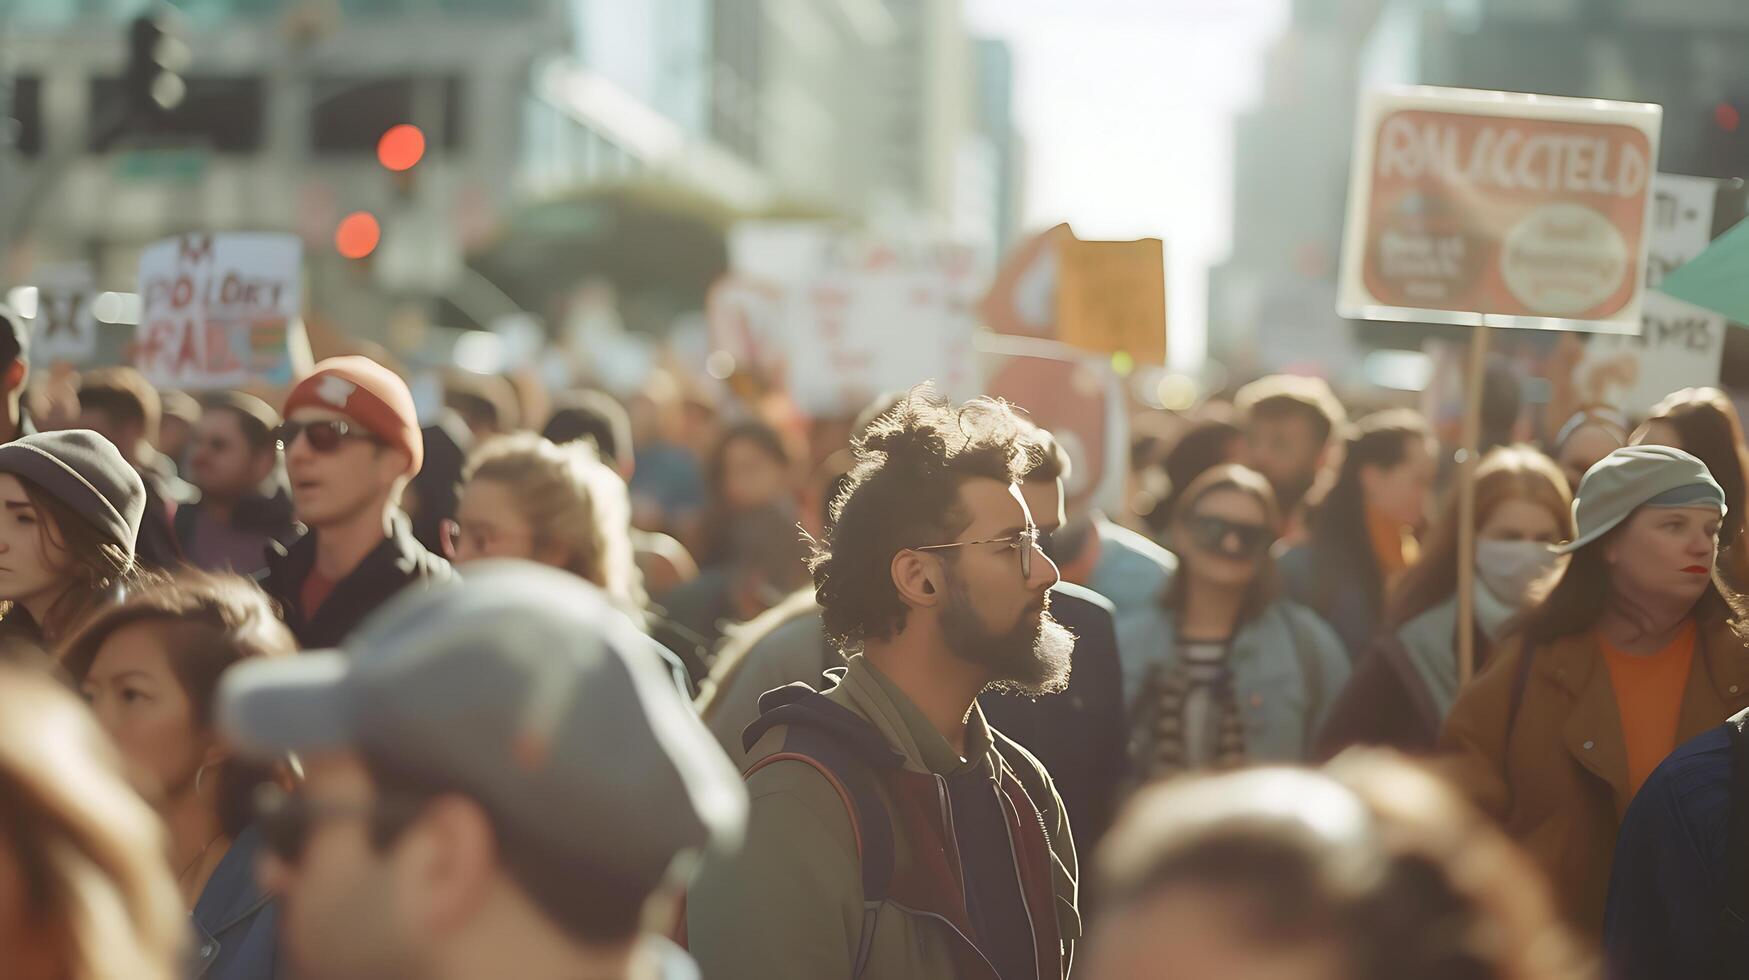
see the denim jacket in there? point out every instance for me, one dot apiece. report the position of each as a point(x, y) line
point(234, 922)
point(1288, 666)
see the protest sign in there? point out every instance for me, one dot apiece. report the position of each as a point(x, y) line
point(65, 328)
point(1079, 399)
point(1499, 209)
point(1111, 297)
point(1680, 345)
point(836, 320)
point(1022, 299)
point(219, 310)
point(852, 335)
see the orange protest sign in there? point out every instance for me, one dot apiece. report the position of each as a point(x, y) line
point(1491, 207)
point(1111, 296)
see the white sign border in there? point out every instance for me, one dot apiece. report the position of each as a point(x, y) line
point(1355, 302)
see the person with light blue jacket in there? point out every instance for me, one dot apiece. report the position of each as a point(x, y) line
point(1222, 671)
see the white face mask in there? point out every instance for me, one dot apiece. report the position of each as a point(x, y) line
point(1512, 569)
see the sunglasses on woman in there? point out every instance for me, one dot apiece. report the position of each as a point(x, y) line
point(286, 820)
point(1229, 539)
point(325, 436)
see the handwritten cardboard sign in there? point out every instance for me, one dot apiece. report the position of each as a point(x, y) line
point(218, 310)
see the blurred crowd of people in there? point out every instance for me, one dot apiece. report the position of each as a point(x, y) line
point(676, 682)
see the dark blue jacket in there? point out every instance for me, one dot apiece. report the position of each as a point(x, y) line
point(1079, 734)
point(234, 922)
point(1667, 889)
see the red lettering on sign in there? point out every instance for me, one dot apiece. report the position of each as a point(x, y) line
point(194, 248)
point(182, 291)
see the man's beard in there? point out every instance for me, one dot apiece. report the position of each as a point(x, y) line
point(1031, 659)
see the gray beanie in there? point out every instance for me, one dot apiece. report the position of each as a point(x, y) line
point(86, 472)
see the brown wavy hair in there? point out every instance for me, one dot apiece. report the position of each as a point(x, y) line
point(1505, 474)
point(207, 623)
point(98, 567)
point(89, 854)
point(1707, 423)
point(902, 493)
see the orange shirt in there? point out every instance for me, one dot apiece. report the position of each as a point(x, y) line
point(1648, 694)
point(1393, 547)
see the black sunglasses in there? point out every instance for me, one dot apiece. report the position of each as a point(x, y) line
point(325, 436)
point(1213, 534)
point(287, 819)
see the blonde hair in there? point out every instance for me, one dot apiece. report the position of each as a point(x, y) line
point(87, 848)
point(570, 498)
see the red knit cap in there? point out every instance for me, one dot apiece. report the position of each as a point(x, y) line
point(369, 394)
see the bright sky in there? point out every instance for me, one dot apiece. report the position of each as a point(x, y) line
point(1126, 107)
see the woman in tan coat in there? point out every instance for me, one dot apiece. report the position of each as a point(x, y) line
point(1635, 650)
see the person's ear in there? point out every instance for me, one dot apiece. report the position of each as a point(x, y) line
point(16, 376)
point(216, 754)
point(917, 578)
point(448, 859)
point(393, 464)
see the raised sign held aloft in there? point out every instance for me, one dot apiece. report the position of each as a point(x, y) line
point(1499, 209)
point(65, 328)
point(1111, 297)
point(219, 310)
point(1680, 345)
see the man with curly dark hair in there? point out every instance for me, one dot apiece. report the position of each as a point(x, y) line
point(893, 832)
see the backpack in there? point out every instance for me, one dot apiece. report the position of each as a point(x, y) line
point(849, 760)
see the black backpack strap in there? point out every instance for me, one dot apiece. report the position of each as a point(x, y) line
point(1736, 909)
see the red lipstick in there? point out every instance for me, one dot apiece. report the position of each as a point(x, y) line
point(1696, 570)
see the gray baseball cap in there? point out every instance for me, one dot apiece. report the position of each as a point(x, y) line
point(523, 688)
point(1635, 477)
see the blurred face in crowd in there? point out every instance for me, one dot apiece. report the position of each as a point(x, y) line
point(1223, 537)
point(222, 463)
point(489, 524)
point(1285, 448)
point(1658, 432)
point(344, 911)
point(32, 558)
point(1399, 493)
point(1664, 554)
point(125, 436)
point(1583, 448)
point(751, 476)
point(174, 434)
point(1520, 519)
point(1044, 501)
point(995, 613)
point(354, 478)
point(138, 700)
point(1192, 932)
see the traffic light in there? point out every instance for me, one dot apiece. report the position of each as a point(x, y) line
point(358, 235)
point(1725, 145)
point(401, 147)
point(156, 60)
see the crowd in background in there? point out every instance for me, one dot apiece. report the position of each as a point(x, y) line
point(472, 694)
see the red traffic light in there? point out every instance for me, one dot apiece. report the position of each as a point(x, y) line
point(1727, 116)
point(401, 148)
point(357, 235)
